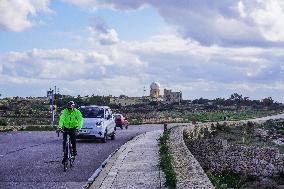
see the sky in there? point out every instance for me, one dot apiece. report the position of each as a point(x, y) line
point(204, 48)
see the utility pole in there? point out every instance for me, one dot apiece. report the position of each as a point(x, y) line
point(50, 95)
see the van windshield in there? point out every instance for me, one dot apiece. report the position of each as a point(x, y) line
point(92, 112)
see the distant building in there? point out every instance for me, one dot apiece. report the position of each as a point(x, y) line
point(172, 97)
point(155, 96)
point(155, 90)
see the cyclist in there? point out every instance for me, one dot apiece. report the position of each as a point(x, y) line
point(70, 119)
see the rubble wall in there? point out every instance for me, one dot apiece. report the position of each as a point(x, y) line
point(219, 156)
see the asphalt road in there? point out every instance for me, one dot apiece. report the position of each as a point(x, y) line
point(33, 159)
point(279, 116)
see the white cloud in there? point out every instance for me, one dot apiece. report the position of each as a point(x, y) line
point(168, 59)
point(15, 13)
point(223, 22)
point(102, 33)
point(268, 18)
point(114, 4)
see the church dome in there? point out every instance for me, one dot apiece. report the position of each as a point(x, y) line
point(155, 86)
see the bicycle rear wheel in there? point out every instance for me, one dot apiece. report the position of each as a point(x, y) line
point(65, 158)
point(65, 166)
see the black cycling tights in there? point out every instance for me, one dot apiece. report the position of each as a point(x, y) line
point(72, 134)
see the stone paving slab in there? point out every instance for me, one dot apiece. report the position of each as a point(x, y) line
point(134, 165)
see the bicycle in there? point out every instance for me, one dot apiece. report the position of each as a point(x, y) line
point(67, 157)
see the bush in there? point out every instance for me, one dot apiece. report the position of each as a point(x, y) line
point(187, 135)
point(3, 122)
point(226, 179)
point(135, 121)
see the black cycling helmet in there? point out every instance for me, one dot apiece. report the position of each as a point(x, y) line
point(70, 104)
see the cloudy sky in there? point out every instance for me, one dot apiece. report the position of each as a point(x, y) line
point(205, 48)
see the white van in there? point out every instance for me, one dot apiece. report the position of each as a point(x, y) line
point(98, 123)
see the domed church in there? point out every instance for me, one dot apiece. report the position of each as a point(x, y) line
point(155, 90)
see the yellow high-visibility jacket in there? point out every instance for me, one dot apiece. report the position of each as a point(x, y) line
point(71, 120)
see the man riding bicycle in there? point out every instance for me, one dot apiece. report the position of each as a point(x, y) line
point(70, 120)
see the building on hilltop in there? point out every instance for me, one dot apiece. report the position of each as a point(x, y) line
point(155, 96)
point(172, 97)
point(155, 92)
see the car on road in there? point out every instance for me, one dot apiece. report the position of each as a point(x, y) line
point(98, 123)
point(120, 121)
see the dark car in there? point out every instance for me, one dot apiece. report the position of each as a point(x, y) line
point(120, 121)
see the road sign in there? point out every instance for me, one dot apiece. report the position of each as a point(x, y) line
point(50, 94)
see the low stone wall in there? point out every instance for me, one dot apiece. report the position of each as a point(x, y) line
point(20, 128)
point(218, 156)
point(163, 120)
point(189, 173)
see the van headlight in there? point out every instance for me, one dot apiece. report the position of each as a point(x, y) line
point(99, 124)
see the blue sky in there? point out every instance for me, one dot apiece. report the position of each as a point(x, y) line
point(204, 48)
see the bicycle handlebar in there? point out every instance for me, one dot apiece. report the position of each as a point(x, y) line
point(62, 131)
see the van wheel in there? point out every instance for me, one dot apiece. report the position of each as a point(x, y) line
point(104, 140)
point(112, 137)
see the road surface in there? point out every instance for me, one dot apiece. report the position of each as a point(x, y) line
point(33, 159)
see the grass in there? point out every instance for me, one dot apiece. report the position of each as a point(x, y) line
point(165, 161)
point(228, 179)
point(237, 180)
point(228, 115)
point(246, 134)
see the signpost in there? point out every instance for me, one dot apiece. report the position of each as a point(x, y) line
point(50, 96)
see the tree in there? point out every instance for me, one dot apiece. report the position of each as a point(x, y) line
point(200, 101)
point(236, 97)
point(267, 101)
point(219, 101)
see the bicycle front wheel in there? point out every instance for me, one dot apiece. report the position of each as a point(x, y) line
point(65, 158)
point(70, 157)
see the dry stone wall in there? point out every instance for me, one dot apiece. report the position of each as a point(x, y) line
point(191, 156)
point(189, 173)
point(218, 156)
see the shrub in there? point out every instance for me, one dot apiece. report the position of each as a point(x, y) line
point(200, 133)
point(138, 121)
point(3, 122)
point(226, 179)
point(186, 135)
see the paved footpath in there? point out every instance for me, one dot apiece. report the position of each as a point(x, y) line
point(134, 165)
